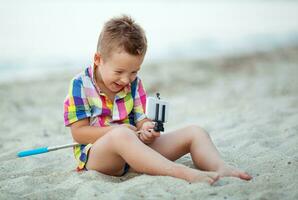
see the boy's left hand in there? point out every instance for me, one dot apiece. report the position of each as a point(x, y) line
point(148, 135)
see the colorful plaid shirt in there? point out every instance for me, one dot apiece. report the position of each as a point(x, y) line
point(85, 100)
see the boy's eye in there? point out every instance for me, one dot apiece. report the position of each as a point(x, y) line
point(118, 72)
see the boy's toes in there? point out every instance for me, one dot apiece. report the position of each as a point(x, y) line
point(231, 171)
point(210, 181)
point(216, 178)
point(214, 175)
point(244, 176)
point(213, 180)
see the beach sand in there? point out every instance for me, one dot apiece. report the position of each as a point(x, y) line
point(248, 104)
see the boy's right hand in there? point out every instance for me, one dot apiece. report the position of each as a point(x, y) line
point(147, 133)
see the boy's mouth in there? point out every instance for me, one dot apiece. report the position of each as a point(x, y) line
point(118, 85)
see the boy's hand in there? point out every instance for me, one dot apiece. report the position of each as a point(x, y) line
point(148, 135)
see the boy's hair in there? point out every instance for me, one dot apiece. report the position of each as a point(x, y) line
point(124, 34)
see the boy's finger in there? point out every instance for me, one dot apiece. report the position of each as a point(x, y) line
point(141, 138)
point(133, 127)
point(150, 129)
point(156, 134)
point(144, 136)
point(148, 134)
point(138, 133)
point(151, 125)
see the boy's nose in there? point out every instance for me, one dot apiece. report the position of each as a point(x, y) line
point(124, 80)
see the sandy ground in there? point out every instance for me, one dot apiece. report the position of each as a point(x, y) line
point(249, 105)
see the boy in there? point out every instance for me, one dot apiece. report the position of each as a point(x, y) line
point(105, 108)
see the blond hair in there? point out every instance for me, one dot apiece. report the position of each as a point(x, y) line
point(122, 33)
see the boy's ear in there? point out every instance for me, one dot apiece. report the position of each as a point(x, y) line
point(97, 58)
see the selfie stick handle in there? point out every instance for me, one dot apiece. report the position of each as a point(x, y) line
point(44, 150)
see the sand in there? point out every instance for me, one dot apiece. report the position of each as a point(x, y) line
point(248, 104)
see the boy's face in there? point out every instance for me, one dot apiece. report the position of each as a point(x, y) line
point(118, 70)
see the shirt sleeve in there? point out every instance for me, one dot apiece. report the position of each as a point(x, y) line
point(139, 102)
point(76, 105)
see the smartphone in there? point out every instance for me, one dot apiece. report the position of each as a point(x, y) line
point(157, 109)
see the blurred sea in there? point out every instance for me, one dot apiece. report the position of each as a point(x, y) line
point(38, 37)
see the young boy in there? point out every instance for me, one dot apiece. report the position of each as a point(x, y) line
point(105, 108)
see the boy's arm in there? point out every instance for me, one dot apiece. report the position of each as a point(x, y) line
point(83, 133)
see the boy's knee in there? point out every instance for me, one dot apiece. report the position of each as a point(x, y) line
point(197, 131)
point(122, 134)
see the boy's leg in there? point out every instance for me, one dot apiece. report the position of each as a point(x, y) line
point(190, 139)
point(195, 140)
point(109, 153)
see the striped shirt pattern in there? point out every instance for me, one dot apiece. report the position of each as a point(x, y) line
point(85, 100)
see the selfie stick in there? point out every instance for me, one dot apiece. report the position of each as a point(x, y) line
point(44, 150)
point(159, 123)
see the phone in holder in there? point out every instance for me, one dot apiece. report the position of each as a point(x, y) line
point(157, 110)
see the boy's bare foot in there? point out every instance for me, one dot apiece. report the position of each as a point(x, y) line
point(202, 176)
point(231, 171)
